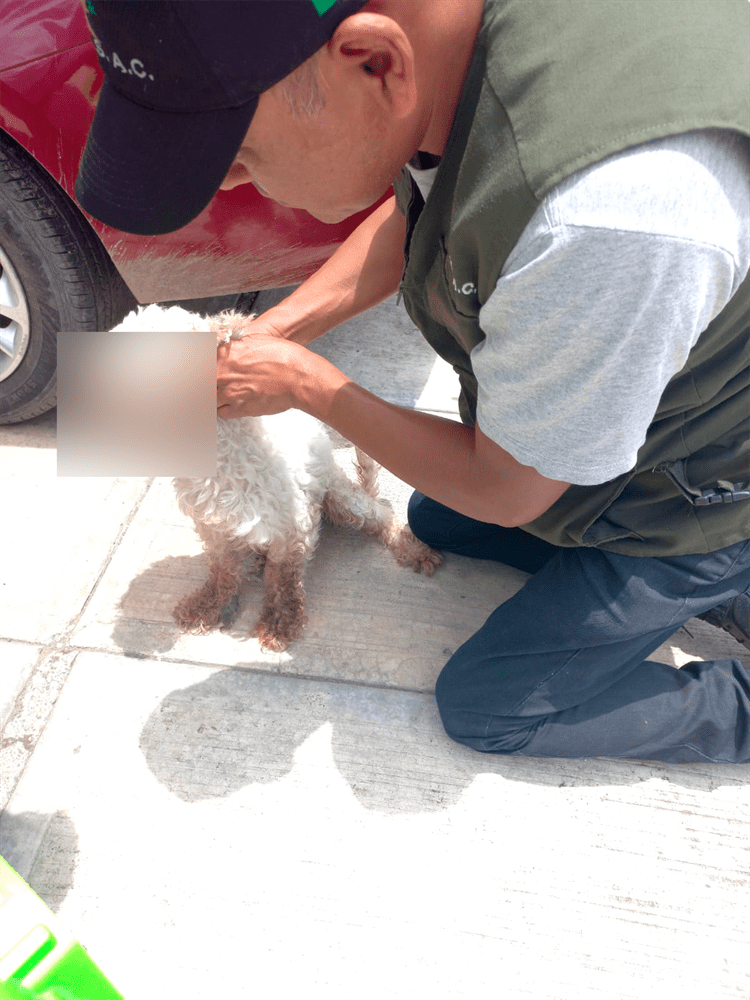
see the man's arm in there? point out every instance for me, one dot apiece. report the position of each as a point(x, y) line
point(455, 465)
point(365, 270)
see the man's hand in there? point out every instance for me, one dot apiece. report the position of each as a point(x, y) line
point(258, 374)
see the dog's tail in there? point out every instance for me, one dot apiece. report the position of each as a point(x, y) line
point(367, 472)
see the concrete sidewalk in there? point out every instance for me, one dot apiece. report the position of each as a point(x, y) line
point(214, 822)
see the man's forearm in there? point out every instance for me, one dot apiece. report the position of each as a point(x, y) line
point(456, 465)
point(439, 457)
point(364, 271)
point(432, 454)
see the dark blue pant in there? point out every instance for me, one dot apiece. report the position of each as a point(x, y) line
point(560, 669)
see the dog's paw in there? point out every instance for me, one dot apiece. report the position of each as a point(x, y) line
point(278, 626)
point(194, 623)
point(427, 560)
point(409, 551)
point(192, 615)
point(269, 639)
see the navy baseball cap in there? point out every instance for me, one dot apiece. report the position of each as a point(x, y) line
point(181, 84)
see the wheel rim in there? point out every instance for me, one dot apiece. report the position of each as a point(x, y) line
point(14, 319)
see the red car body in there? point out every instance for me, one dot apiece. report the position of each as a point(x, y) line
point(49, 82)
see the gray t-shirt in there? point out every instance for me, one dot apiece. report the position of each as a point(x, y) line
point(615, 277)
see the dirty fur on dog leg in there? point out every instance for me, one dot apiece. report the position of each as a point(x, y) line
point(409, 551)
point(359, 508)
point(283, 618)
point(204, 609)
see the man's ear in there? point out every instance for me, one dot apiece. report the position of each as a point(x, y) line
point(378, 54)
point(236, 175)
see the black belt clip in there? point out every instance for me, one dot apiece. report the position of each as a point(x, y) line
point(733, 495)
point(723, 492)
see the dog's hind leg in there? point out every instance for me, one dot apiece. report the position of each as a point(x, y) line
point(357, 505)
point(217, 601)
point(367, 471)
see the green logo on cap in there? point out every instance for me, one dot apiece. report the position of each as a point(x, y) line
point(322, 6)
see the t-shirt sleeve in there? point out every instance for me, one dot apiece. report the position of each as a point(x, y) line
point(598, 306)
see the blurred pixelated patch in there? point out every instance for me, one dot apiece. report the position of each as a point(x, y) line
point(136, 404)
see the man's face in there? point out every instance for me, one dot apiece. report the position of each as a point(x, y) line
point(333, 164)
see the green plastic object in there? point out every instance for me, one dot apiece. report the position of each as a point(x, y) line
point(39, 959)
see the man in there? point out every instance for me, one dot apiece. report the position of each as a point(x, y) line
point(574, 222)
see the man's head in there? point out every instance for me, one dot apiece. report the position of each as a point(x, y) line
point(331, 137)
point(317, 102)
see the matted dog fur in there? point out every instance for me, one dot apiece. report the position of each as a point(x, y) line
point(276, 479)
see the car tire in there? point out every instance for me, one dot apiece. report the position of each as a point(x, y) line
point(54, 275)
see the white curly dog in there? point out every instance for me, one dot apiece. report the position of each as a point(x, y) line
point(276, 478)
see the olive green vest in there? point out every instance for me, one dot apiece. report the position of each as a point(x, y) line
point(554, 86)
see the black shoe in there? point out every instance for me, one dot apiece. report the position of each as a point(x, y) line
point(733, 617)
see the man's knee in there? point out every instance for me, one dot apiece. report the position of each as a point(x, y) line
point(419, 514)
point(437, 525)
point(474, 717)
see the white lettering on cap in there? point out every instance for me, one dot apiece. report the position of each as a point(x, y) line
point(136, 65)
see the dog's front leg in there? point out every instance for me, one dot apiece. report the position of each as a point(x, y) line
point(282, 619)
point(216, 602)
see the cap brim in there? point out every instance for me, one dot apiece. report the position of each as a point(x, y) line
point(151, 172)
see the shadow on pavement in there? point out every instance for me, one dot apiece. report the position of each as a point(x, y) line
point(52, 875)
point(238, 728)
